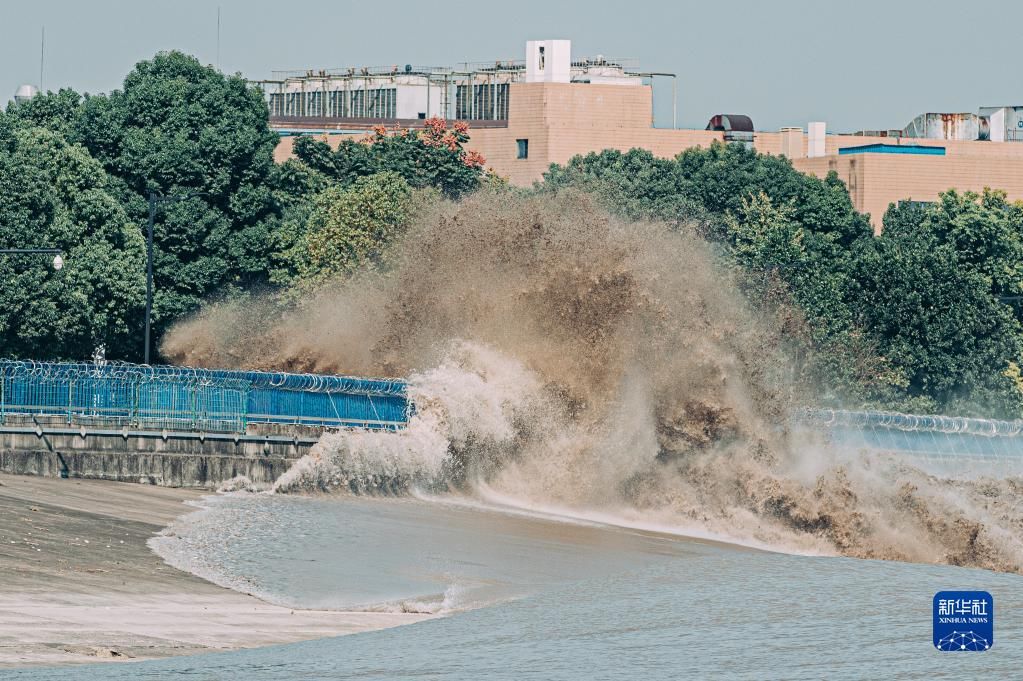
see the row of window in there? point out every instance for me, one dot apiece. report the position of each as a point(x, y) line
point(376, 103)
point(486, 103)
point(478, 102)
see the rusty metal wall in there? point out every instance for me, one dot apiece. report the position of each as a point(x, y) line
point(949, 126)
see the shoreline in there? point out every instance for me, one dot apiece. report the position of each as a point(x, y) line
point(82, 585)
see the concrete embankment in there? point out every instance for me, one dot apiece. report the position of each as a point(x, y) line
point(49, 446)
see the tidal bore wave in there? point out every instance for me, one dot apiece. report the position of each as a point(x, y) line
point(559, 357)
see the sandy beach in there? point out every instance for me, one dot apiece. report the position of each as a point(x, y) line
point(80, 585)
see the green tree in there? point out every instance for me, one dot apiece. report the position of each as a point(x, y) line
point(180, 128)
point(635, 184)
point(935, 320)
point(349, 227)
point(54, 195)
point(432, 157)
point(55, 111)
point(985, 231)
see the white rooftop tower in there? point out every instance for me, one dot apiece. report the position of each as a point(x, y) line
point(548, 61)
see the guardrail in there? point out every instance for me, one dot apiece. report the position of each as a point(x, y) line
point(185, 398)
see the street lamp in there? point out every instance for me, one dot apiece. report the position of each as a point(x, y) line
point(58, 261)
point(155, 199)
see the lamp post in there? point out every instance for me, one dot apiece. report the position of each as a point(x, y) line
point(58, 260)
point(155, 199)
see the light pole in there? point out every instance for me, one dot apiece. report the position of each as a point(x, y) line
point(58, 260)
point(155, 199)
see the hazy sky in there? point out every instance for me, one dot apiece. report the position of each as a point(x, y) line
point(856, 64)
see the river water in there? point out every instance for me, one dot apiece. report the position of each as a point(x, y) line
point(526, 595)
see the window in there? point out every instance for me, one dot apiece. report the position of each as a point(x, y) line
point(358, 108)
point(337, 104)
point(314, 104)
point(481, 102)
point(523, 148)
point(382, 103)
point(277, 104)
point(540, 61)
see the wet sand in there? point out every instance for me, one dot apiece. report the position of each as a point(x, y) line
point(80, 585)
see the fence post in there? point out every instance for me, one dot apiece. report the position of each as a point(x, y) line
point(194, 394)
point(70, 390)
point(243, 409)
point(135, 402)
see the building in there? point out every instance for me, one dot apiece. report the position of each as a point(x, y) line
point(551, 106)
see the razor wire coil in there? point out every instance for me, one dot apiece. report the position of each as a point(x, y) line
point(197, 399)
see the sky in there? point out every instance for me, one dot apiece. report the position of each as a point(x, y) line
point(856, 65)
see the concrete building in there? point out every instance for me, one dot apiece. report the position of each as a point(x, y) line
point(549, 107)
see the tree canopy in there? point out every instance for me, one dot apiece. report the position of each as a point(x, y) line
point(432, 157)
point(54, 195)
point(913, 319)
point(926, 316)
point(233, 222)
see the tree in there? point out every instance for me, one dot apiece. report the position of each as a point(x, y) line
point(635, 184)
point(936, 321)
point(907, 320)
point(54, 195)
point(180, 128)
point(432, 157)
point(55, 111)
point(349, 227)
point(984, 230)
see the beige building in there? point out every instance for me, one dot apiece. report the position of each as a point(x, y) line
point(525, 116)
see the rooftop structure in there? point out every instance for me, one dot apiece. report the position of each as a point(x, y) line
point(525, 115)
point(472, 91)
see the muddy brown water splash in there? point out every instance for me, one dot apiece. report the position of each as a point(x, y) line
point(563, 357)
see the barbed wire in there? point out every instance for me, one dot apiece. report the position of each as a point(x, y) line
point(910, 422)
point(300, 382)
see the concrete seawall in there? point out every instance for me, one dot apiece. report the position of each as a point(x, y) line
point(49, 446)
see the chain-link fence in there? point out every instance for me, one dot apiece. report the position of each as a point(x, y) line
point(184, 398)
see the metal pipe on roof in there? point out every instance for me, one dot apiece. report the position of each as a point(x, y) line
point(674, 103)
point(674, 94)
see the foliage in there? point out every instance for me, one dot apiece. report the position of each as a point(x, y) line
point(54, 195)
point(348, 227)
point(985, 231)
point(634, 183)
point(179, 128)
point(233, 221)
point(935, 319)
point(55, 111)
point(908, 320)
point(432, 157)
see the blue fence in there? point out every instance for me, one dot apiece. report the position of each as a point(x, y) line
point(197, 399)
point(217, 400)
